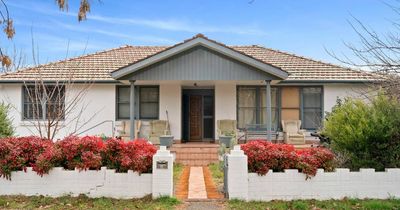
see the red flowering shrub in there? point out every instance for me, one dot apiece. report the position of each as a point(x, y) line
point(19, 153)
point(81, 152)
point(50, 158)
point(263, 156)
point(137, 156)
point(89, 152)
point(311, 159)
point(10, 158)
point(112, 153)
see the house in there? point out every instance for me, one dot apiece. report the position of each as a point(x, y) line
point(191, 84)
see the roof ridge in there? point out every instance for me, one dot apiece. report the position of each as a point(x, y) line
point(200, 35)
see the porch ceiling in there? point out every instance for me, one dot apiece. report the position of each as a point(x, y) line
point(199, 58)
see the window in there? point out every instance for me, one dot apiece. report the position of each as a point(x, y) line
point(43, 102)
point(148, 97)
point(311, 116)
point(123, 96)
point(252, 106)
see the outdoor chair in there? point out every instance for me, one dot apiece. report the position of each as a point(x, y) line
point(158, 128)
point(124, 131)
point(226, 127)
point(292, 134)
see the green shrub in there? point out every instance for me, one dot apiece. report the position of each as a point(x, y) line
point(6, 128)
point(367, 133)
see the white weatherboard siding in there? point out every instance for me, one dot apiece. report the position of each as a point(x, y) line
point(225, 102)
point(334, 91)
point(98, 105)
point(171, 101)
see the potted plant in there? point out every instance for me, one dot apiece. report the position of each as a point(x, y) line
point(227, 139)
point(166, 140)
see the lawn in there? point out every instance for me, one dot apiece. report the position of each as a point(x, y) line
point(217, 173)
point(83, 202)
point(178, 168)
point(313, 204)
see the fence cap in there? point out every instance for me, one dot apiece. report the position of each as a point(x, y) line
point(236, 147)
point(237, 151)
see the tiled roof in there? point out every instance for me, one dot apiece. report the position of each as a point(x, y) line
point(97, 66)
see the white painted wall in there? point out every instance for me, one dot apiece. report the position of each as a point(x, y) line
point(334, 91)
point(98, 105)
point(225, 102)
point(292, 185)
point(171, 101)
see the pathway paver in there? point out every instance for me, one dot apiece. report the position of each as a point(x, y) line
point(182, 187)
point(197, 187)
point(215, 205)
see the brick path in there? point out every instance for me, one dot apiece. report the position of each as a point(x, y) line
point(196, 183)
point(197, 187)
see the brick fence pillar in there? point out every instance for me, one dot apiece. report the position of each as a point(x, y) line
point(238, 183)
point(163, 163)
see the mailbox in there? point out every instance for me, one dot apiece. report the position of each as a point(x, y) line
point(162, 164)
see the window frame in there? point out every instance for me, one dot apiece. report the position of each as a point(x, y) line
point(137, 101)
point(311, 108)
point(44, 115)
point(258, 108)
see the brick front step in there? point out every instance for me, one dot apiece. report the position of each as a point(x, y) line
point(195, 154)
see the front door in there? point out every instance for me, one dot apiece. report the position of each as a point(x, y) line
point(195, 117)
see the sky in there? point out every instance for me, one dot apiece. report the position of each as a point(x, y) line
point(304, 27)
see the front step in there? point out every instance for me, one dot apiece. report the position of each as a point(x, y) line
point(195, 154)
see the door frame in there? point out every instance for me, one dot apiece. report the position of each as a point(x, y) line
point(203, 91)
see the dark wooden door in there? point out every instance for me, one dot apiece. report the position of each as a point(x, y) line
point(195, 117)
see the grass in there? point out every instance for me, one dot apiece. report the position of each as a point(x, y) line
point(178, 168)
point(217, 173)
point(83, 202)
point(367, 204)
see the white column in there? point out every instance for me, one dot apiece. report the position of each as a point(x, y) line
point(238, 184)
point(162, 184)
point(132, 110)
point(268, 113)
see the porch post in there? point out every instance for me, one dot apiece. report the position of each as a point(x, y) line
point(132, 110)
point(268, 103)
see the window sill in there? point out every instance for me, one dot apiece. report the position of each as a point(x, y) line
point(32, 123)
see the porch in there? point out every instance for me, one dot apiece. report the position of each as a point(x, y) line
point(197, 83)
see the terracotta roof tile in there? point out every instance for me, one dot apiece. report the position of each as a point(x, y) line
point(97, 66)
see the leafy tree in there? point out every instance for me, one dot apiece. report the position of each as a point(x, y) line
point(368, 133)
point(6, 128)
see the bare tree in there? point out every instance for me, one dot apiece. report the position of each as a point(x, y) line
point(6, 22)
point(54, 105)
point(378, 53)
point(53, 102)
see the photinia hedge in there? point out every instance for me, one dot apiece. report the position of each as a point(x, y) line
point(134, 155)
point(83, 153)
point(264, 156)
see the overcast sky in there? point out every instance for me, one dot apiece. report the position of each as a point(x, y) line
point(304, 27)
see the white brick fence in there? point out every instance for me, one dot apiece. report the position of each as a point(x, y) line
point(291, 184)
point(104, 182)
